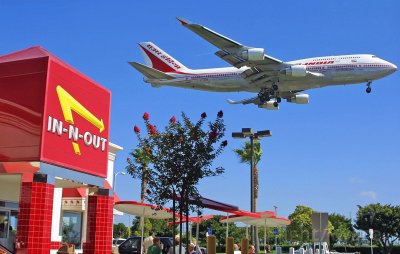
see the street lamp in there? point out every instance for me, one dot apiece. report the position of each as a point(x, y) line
point(113, 188)
point(115, 177)
point(248, 133)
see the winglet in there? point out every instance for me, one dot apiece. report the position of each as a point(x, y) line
point(231, 101)
point(183, 21)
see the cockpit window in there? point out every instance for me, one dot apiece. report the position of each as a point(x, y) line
point(373, 56)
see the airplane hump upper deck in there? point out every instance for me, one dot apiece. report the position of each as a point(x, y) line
point(159, 59)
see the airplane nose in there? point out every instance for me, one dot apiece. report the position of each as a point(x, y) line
point(394, 67)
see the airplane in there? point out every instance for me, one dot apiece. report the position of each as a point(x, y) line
point(255, 71)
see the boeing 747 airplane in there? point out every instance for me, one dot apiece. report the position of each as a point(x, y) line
point(254, 71)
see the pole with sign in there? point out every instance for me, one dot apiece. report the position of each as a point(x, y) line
point(371, 236)
point(276, 236)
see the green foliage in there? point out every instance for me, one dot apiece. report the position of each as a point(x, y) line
point(343, 230)
point(244, 153)
point(157, 226)
point(300, 228)
point(178, 158)
point(121, 231)
point(384, 220)
point(219, 230)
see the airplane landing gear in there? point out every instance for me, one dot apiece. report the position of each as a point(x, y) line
point(264, 95)
point(368, 90)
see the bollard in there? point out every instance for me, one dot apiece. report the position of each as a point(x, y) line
point(279, 250)
point(291, 250)
point(301, 251)
point(211, 247)
point(229, 245)
point(244, 246)
point(310, 251)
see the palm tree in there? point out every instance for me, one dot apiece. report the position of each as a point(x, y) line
point(140, 169)
point(244, 155)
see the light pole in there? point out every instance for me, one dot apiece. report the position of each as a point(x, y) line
point(114, 184)
point(115, 178)
point(248, 133)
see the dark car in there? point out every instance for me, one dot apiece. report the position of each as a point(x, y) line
point(133, 244)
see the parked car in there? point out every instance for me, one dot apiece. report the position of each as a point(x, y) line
point(118, 241)
point(132, 245)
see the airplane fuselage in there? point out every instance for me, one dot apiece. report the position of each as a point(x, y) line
point(330, 70)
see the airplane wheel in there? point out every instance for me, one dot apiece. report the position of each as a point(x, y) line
point(279, 99)
point(263, 97)
point(368, 90)
point(276, 104)
point(275, 87)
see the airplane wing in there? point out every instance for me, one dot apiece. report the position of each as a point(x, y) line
point(234, 52)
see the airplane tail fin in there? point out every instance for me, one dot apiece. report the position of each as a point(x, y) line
point(159, 59)
point(150, 72)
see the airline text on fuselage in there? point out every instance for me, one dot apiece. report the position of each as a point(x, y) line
point(164, 57)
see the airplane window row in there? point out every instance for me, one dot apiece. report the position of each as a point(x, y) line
point(349, 66)
point(215, 75)
point(350, 57)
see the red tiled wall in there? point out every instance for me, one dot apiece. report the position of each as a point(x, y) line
point(34, 218)
point(99, 225)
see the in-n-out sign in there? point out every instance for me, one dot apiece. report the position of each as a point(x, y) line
point(73, 133)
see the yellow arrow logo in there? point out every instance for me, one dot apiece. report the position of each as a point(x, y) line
point(69, 104)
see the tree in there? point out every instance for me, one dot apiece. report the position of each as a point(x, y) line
point(300, 228)
point(384, 220)
point(157, 226)
point(244, 155)
point(178, 158)
point(343, 230)
point(139, 168)
point(120, 231)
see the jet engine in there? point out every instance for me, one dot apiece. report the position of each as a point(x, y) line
point(269, 105)
point(299, 99)
point(295, 71)
point(253, 54)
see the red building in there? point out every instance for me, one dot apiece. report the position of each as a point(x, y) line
point(56, 161)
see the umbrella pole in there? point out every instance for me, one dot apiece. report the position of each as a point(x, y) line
point(142, 222)
point(247, 231)
point(227, 226)
point(197, 231)
point(174, 220)
point(265, 236)
point(187, 223)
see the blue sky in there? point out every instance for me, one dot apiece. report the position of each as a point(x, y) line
point(339, 151)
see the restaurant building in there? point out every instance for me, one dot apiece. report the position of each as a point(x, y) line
point(56, 160)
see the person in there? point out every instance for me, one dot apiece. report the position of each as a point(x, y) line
point(236, 249)
point(177, 240)
point(252, 249)
point(268, 248)
point(191, 249)
point(148, 241)
point(155, 248)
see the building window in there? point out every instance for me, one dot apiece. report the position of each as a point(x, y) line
point(72, 228)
